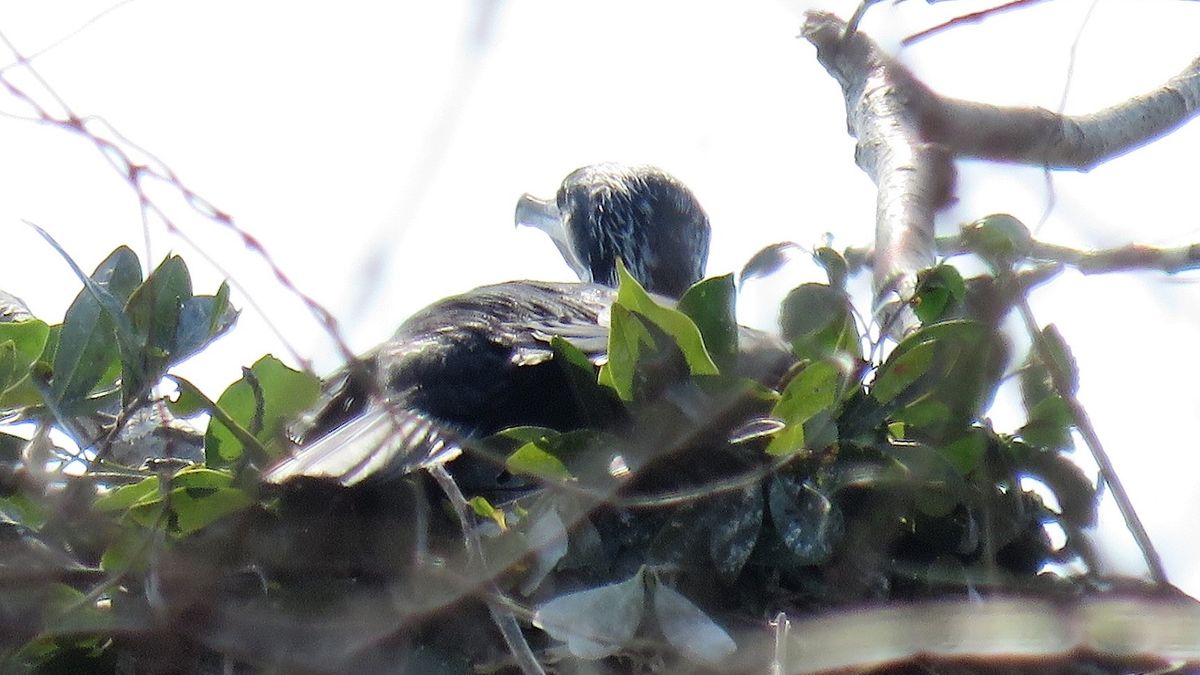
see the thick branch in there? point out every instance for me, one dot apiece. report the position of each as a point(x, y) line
point(908, 137)
point(1043, 138)
point(915, 177)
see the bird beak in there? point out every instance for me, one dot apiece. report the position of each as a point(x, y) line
point(543, 214)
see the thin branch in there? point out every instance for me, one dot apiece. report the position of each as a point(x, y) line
point(502, 615)
point(973, 17)
point(137, 172)
point(1128, 258)
point(1084, 424)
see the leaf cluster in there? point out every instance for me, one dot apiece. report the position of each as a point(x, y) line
point(721, 495)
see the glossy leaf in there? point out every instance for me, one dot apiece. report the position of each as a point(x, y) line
point(592, 397)
point(835, 265)
point(263, 403)
point(21, 344)
point(536, 459)
point(1049, 425)
point(674, 323)
point(88, 352)
point(999, 239)
point(808, 523)
point(197, 507)
point(734, 521)
point(688, 628)
point(1076, 495)
point(1036, 382)
point(202, 319)
point(817, 320)
point(940, 291)
point(127, 496)
point(941, 377)
point(898, 373)
point(967, 451)
point(788, 441)
point(813, 390)
point(627, 338)
point(711, 305)
point(598, 622)
point(154, 310)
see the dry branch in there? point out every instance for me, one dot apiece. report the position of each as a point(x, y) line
point(908, 137)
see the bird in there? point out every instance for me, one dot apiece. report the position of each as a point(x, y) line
point(472, 364)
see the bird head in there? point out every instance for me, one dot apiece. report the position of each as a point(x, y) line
point(638, 214)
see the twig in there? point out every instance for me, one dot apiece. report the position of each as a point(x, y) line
point(120, 152)
point(1128, 258)
point(973, 17)
point(510, 630)
point(1084, 424)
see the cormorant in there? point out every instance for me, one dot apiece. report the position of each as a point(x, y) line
point(481, 361)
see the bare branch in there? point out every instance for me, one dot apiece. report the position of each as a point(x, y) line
point(973, 17)
point(1039, 137)
point(915, 177)
point(908, 137)
point(1086, 429)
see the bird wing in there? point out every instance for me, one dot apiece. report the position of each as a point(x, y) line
point(385, 440)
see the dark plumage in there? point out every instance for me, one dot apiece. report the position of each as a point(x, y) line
point(640, 214)
point(480, 361)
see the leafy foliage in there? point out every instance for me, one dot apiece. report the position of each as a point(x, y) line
point(716, 495)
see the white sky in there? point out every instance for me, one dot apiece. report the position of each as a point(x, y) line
point(377, 149)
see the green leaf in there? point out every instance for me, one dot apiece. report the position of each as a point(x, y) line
point(127, 550)
point(1049, 424)
point(264, 402)
point(28, 338)
point(187, 404)
point(1049, 418)
point(788, 441)
point(1000, 239)
point(203, 319)
point(196, 497)
point(23, 342)
point(627, 337)
point(484, 509)
point(1077, 498)
point(154, 310)
point(524, 434)
point(835, 265)
point(925, 414)
point(1036, 382)
point(196, 507)
point(818, 320)
point(593, 399)
point(813, 389)
point(940, 291)
point(899, 372)
point(88, 351)
point(711, 305)
point(966, 452)
point(9, 370)
point(939, 380)
point(572, 455)
point(535, 459)
point(20, 508)
point(674, 323)
point(810, 396)
point(127, 496)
